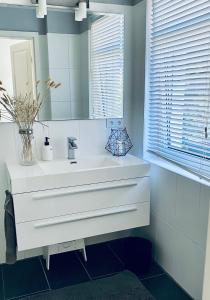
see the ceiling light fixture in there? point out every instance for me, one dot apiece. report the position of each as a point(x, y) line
point(78, 15)
point(41, 9)
point(81, 11)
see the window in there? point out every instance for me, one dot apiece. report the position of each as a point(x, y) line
point(178, 83)
point(106, 67)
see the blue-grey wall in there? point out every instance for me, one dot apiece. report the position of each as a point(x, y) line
point(118, 2)
point(138, 68)
point(16, 18)
point(24, 19)
point(21, 19)
point(62, 22)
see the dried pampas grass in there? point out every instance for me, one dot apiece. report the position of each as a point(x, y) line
point(23, 109)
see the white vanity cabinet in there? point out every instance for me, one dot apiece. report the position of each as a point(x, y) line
point(51, 212)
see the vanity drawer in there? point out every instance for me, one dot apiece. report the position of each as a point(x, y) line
point(58, 202)
point(61, 229)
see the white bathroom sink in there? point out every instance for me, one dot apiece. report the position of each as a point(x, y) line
point(63, 173)
point(88, 163)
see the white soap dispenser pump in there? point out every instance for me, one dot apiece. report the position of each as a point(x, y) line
point(47, 150)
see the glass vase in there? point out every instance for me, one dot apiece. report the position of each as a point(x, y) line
point(27, 147)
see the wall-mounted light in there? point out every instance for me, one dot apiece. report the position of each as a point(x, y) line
point(81, 11)
point(78, 15)
point(41, 9)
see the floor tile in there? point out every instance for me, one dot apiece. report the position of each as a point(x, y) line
point(24, 278)
point(117, 247)
point(101, 261)
point(164, 288)
point(154, 270)
point(65, 269)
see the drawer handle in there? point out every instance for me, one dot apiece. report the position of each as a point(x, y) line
point(87, 190)
point(85, 216)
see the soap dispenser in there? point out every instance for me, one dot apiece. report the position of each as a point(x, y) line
point(47, 150)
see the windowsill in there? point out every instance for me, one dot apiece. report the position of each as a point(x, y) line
point(165, 164)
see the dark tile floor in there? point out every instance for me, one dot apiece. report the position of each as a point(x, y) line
point(30, 276)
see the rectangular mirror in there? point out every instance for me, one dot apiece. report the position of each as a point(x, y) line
point(86, 58)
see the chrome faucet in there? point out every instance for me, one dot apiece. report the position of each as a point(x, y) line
point(71, 147)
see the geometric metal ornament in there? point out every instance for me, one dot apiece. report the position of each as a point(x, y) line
point(119, 142)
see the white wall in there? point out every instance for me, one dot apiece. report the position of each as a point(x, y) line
point(179, 219)
point(179, 207)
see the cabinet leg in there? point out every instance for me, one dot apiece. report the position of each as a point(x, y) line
point(84, 254)
point(47, 260)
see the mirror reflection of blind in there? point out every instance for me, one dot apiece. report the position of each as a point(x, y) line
point(106, 67)
point(179, 83)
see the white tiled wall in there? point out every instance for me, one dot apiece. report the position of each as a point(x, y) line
point(179, 218)
point(178, 230)
point(64, 67)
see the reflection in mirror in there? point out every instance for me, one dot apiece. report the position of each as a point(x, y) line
point(106, 67)
point(86, 57)
point(17, 68)
point(88, 62)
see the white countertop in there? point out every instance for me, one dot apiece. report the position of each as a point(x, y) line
point(60, 173)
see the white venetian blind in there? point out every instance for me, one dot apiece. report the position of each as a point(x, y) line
point(179, 83)
point(106, 67)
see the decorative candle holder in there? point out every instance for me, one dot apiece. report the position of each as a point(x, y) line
point(119, 143)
